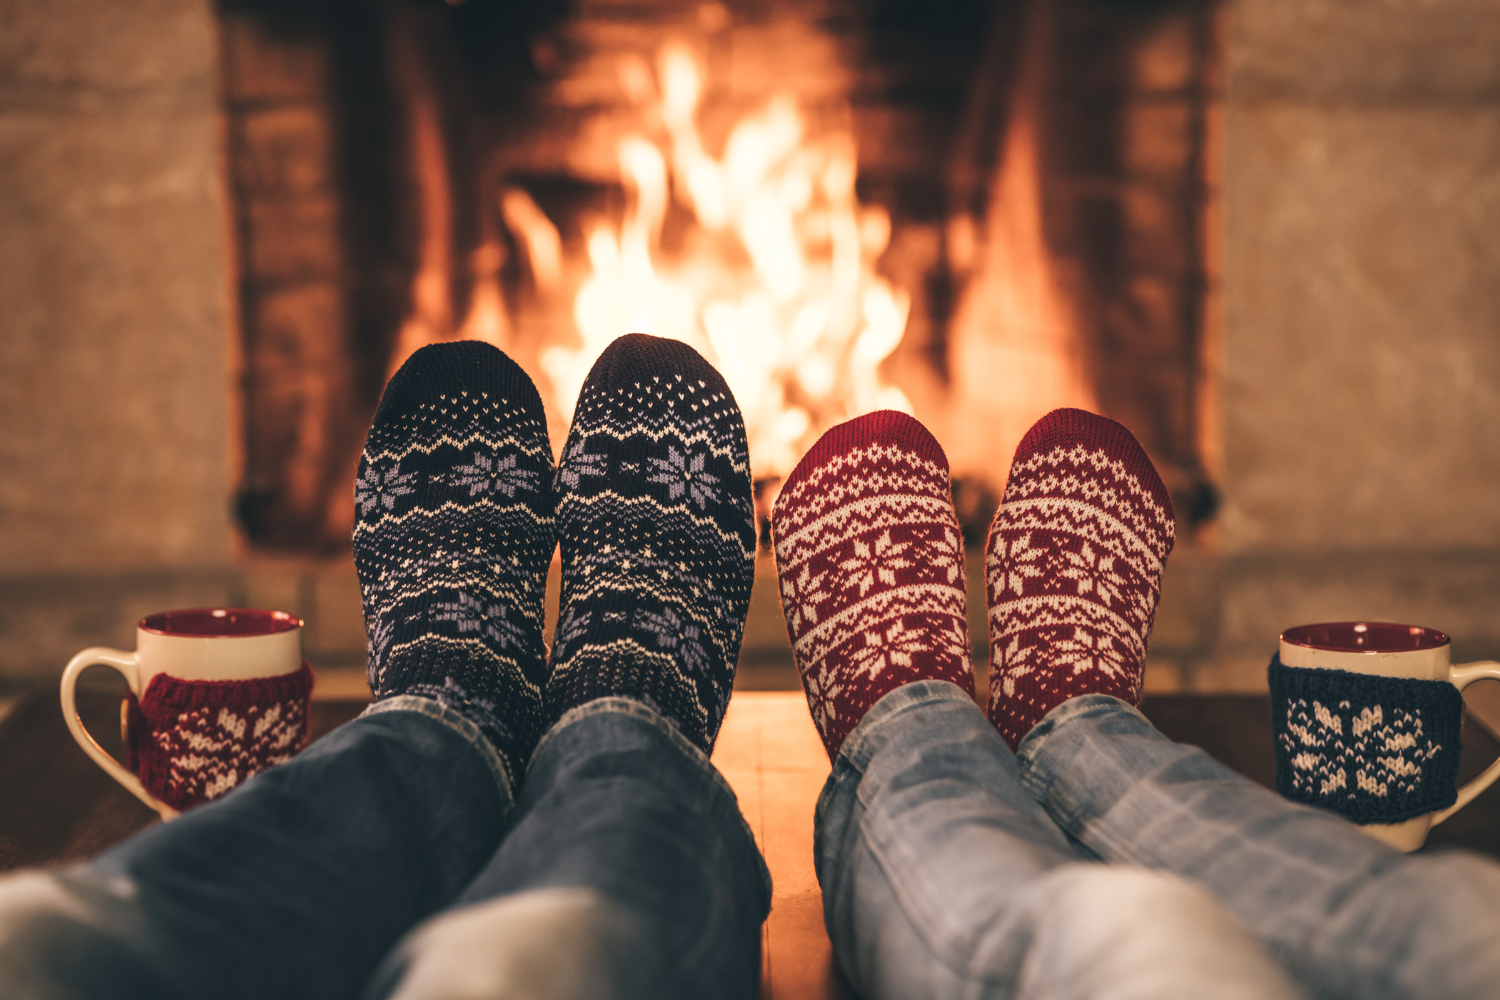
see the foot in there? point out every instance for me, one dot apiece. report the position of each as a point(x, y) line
point(870, 560)
point(453, 535)
point(1073, 566)
point(656, 524)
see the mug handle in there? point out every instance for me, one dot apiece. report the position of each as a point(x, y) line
point(125, 663)
point(1463, 675)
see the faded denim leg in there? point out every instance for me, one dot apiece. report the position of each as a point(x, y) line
point(1348, 915)
point(295, 884)
point(629, 873)
point(942, 877)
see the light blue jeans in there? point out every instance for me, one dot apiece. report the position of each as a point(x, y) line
point(391, 859)
point(1105, 861)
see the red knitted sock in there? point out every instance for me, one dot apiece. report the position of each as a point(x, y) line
point(871, 566)
point(1074, 567)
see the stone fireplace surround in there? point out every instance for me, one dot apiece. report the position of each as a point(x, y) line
point(1355, 357)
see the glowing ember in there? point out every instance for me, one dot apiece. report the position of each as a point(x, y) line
point(774, 283)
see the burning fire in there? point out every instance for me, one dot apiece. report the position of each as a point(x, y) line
point(774, 282)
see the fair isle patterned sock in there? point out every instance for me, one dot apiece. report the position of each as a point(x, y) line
point(453, 535)
point(1074, 566)
point(656, 523)
point(870, 560)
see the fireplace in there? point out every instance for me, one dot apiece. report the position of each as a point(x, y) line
point(1254, 231)
point(974, 212)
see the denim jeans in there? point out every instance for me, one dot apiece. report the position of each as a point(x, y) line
point(1105, 861)
point(391, 859)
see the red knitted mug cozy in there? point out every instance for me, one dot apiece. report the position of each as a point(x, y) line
point(192, 741)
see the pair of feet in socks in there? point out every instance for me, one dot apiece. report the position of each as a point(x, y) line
point(870, 561)
point(458, 509)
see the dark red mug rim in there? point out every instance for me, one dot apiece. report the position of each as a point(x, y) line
point(220, 623)
point(1365, 637)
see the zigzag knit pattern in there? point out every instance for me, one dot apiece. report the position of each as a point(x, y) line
point(453, 537)
point(1372, 749)
point(1073, 569)
point(656, 524)
point(193, 741)
point(870, 559)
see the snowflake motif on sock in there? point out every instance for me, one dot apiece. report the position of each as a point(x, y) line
point(379, 639)
point(894, 646)
point(801, 597)
point(578, 463)
point(473, 615)
point(684, 473)
point(1021, 561)
point(1088, 651)
point(879, 562)
point(574, 625)
point(1093, 571)
point(823, 689)
point(942, 555)
point(670, 633)
point(374, 488)
point(486, 475)
point(1015, 663)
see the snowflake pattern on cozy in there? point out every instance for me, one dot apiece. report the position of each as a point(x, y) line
point(453, 537)
point(870, 562)
point(1073, 569)
point(192, 741)
point(1372, 749)
point(656, 524)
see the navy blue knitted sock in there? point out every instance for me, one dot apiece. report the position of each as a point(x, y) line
point(656, 524)
point(453, 534)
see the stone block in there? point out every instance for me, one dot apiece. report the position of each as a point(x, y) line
point(113, 367)
point(1157, 136)
point(1164, 59)
point(1156, 235)
point(112, 52)
point(301, 326)
point(1365, 51)
point(294, 239)
point(271, 62)
point(1361, 386)
point(283, 151)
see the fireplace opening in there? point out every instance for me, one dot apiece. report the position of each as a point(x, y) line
point(971, 211)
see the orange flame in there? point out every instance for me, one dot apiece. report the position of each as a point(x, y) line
point(776, 286)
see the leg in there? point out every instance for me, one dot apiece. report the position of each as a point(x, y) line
point(1349, 915)
point(629, 874)
point(629, 867)
point(293, 885)
point(941, 877)
point(1074, 567)
point(297, 883)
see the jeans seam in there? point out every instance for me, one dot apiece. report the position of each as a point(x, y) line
point(616, 705)
point(455, 721)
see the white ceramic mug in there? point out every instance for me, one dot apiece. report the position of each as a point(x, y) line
point(1384, 649)
point(197, 644)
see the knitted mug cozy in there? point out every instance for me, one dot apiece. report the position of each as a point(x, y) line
point(192, 741)
point(1372, 749)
